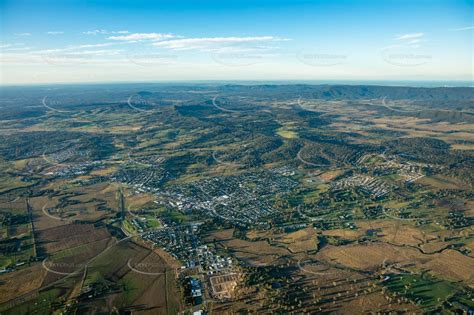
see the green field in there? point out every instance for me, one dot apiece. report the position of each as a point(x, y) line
point(430, 292)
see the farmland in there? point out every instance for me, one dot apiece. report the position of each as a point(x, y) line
point(285, 199)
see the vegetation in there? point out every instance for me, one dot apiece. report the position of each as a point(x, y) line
point(335, 205)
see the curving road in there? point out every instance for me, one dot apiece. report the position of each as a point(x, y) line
point(298, 156)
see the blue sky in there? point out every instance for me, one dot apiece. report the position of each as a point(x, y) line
point(105, 41)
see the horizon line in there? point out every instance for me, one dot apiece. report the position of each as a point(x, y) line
point(380, 82)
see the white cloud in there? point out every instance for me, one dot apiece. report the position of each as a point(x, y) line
point(54, 33)
point(95, 32)
point(142, 36)
point(211, 43)
point(410, 36)
point(10, 45)
point(105, 52)
point(415, 41)
point(104, 32)
point(72, 48)
point(65, 56)
point(243, 49)
point(91, 45)
point(467, 28)
point(12, 48)
point(22, 34)
point(407, 41)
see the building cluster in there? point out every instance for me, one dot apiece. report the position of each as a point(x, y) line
point(241, 199)
point(72, 161)
point(194, 290)
point(71, 170)
point(216, 271)
point(368, 184)
point(151, 160)
point(210, 263)
point(409, 171)
point(284, 170)
point(180, 241)
point(141, 178)
point(139, 223)
point(73, 152)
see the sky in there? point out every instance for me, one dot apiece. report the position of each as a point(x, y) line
point(73, 41)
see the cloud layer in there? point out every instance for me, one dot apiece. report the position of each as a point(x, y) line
point(142, 36)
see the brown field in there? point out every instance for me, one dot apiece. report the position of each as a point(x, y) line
point(470, 211)
point(331, 280)
point(90, 203)
point(154, 287)
point(69, 236)
point(18, 231)
point(152, 300)
point(298, 241)
point(85, 211)
point(124, 128)
point(453, 265)
point(257, 234)
point(14, 284)
point(396, 232)
point(42, 221)
point(337, 291)
point(74, 260)
point(435, 246)
point(376, 302)
point(448, 264)
point(457, 136)
point(253, 253)
point(223, 286)
point(68, 248)
point(344, 233)
point(368, 257)
point(139, 200)
point(151, 282)
point(330, 175)
point(104, 171)
point(458, 146)
point(221, 235)
point(13, 206)
point(441, 182)
point(249, 303)
point(470, 247)
point(319, 286)
point(103, 191)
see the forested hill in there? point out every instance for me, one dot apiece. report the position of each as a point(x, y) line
point(363, 91)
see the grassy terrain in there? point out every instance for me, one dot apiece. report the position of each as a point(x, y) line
point(323, 248)
point(430, 292)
